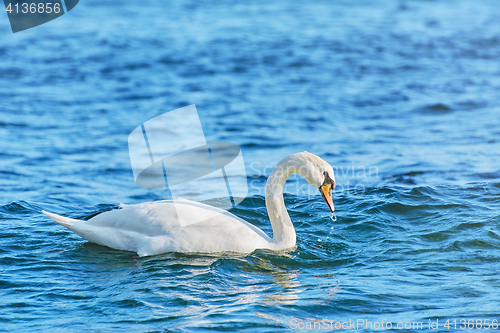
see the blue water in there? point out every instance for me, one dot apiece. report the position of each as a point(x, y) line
point(400, 97)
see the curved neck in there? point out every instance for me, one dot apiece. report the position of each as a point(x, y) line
point(283, 231)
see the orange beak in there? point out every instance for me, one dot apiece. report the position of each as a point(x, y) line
point(326, 193)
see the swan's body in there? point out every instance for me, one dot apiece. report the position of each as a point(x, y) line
point(153, 228)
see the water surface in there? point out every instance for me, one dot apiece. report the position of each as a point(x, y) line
point(400, 97)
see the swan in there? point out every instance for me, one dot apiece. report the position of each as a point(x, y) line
point(153, 227)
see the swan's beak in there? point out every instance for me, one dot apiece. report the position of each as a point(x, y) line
point(326, 193)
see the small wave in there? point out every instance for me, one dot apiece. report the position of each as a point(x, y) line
point(17, 207)
point(435, 109)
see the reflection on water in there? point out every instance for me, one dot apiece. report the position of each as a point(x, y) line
point(286, 284)
point(289, 287)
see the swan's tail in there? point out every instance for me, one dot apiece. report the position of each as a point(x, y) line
point(64, 221)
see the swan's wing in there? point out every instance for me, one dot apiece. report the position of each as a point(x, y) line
point(162, 217)
point(150, 218)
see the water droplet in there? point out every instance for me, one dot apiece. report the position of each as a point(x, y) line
point(333, 218)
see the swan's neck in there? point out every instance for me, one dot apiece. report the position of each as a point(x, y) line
point(283, 232)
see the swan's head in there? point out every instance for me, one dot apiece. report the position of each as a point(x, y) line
point(317, 172)
point(321, 176)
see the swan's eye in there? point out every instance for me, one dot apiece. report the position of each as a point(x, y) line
point(328, 180)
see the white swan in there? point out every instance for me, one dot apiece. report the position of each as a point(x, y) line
point(153, 228)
